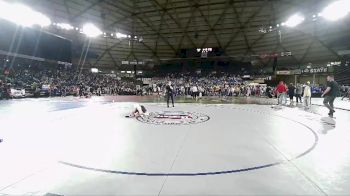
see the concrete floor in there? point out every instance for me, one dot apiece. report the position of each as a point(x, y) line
point(71, 146)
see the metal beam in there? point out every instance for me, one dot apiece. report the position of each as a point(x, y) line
point(249, 49)
point(105, 51)
point(172, 18)
point(140, 18)
point(114, 61)
point(160, 26)
point(212, 28)
point(315, 37)
point(244, 26)
point(86, 9)
point(184, 33)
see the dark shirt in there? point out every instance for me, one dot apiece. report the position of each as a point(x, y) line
point(334, 92)
point(168, 89)
point(268, 89)
point(291, 90)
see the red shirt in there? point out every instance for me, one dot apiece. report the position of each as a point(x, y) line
point(281, 88)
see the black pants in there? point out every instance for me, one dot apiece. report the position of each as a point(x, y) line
point(328, 102)
point(168, 97)
point(195, 94)
point(298, 98)
point(291, 97)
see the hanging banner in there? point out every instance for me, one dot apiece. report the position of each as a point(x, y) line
point(314, 70)
point(284, 72)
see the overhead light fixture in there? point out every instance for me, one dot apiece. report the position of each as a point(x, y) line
point(94, 70)
point(121, 35)
point(65, 26)
point(336, 10)
point(91, 30)
point(22, 15)
point(294, 20)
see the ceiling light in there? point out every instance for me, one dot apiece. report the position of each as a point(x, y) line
point(121, 35)
point(94, 70)
point(22, 15)
point(294, 20)
point(91, 30)
point(65, 26)
point(336, 10)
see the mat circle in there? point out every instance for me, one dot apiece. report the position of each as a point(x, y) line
point(173, 118)
point(307, 151)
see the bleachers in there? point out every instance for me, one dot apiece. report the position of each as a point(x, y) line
point(342, 74)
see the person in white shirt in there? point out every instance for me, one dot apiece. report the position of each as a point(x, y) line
point(249, 91)
point(195, 91)
point(307, 95)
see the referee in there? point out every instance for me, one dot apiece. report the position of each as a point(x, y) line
point(169, 93)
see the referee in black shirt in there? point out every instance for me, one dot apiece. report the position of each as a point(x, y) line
point(330, 94)
point(169, 93)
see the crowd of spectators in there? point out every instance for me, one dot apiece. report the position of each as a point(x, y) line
point(227, 85)
point(60, 81)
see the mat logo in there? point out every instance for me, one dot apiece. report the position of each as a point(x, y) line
point(174, 118)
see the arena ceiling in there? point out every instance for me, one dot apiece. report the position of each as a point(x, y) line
point(166, 26)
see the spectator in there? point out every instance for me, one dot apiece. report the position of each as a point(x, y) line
point(299, 92)
point(281, 91)
point(291, 93)
point(307, 95)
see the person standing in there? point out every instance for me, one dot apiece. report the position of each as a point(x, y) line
point(268, 92)
point(298, 93)
point(281, 92)
point(307, 95)
point(291, 93)
point(330, 94)
point(346, 94)
point(169, 93)
point(195, 92)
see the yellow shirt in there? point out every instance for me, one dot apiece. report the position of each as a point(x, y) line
point(307, 91)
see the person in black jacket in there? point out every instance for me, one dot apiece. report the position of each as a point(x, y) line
point(169, 93)
point(291, 93)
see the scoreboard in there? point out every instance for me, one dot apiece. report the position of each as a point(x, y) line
point(200, 52)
